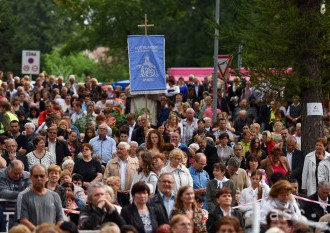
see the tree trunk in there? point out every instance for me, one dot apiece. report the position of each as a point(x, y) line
point(312, 126)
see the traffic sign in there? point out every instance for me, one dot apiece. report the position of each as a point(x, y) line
point(223, 63)
point(30, 62)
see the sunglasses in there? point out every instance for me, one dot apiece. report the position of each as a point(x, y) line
point(39, 176)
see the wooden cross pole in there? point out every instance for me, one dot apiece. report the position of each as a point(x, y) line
point(146, 25)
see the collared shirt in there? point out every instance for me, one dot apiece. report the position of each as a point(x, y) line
point(168, 203)
point(123, 165)
point(325, 205)
point(131, 128)
point(103, 148)
point(188, 130)
point(289, 158)
point(220, 182)
point(226, 213)
point(200, 178)
point(196, 89)
point(52, 148)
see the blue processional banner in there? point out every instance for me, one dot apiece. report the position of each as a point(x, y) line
point(146, 56)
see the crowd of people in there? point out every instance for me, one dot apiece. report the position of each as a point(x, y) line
point(168, 170)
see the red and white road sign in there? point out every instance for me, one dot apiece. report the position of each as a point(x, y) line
point(223, 63)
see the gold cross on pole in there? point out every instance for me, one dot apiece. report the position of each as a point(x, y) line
point(146, 25)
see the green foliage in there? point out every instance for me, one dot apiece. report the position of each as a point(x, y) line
point(30, 25)
point(121, 119)
point(281, 34)
point(186, 24)
point(83, 122)
point(80, 65)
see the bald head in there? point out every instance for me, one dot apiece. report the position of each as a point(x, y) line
point(200, 162)
point(291, 143)
point(15, 169)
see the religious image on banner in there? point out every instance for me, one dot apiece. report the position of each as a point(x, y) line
point(147, 64)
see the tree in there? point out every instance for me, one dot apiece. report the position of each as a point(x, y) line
point(31, 25)
point(187, 25)
point(286, 33)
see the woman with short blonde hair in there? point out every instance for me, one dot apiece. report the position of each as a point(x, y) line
point(181, 173)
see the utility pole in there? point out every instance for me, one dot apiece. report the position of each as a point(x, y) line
point(215, 61)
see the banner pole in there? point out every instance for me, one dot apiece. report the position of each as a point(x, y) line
point(146, 25)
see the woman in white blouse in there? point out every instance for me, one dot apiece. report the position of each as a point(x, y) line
point(181, 173)
point(258, 190)
point(40, 155)
point(311, 163)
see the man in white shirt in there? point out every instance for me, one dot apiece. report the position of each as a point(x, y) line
point(131, 124)
point(314, 211)
point(125, 167)
point(78, 112)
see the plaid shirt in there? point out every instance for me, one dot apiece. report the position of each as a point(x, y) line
point(188, 130)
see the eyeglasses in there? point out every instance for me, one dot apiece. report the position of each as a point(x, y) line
point(51, 132)
point(166, 181)
point(39, 176)
point(185, 224)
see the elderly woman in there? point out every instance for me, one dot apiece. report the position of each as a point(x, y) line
point(280, 198)
point(311, 163)
point(114, 183)
point(185, 204)
point(219, 181)
point(133, 149)
point(89, 168)
point(139, 214)
point(40, 155)
point(224, 199)
point(110, 195)
point(276, 134)
point(181, 173)
point(68, 164)
point(276, 162)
